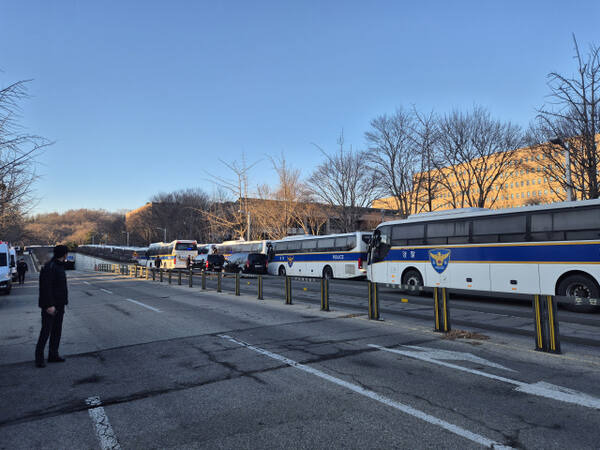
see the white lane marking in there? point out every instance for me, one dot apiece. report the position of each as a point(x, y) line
point(563, 394)
point(106, 290)
point(541, 389)
point(448, 355)
point(106, 435)
point(143, 304)
point(482, 440)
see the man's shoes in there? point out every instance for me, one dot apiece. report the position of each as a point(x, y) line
point(54, 359)
point(40, 364)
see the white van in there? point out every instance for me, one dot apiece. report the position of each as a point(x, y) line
point(13, 263)
point(5, 269)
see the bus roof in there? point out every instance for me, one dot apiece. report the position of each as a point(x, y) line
point(321, 236)
point(462, 213)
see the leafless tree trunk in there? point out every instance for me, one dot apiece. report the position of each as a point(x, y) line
point(571, 119)
point(345, 182)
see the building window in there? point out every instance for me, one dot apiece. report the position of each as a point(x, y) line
point(528, 194)
point(527, 183)
point(532, 181)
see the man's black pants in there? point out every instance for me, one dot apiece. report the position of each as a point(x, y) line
point(52, 327)
point(21, 277)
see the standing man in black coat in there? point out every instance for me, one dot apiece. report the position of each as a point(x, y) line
point(21, 269)
point(53, 299)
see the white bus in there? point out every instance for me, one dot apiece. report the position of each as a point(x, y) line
point(226, 248)
point(172, 255)
point(330, 256)
point(5, 269)
point(548, 249)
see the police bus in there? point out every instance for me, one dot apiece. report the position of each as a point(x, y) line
point(547, 249)
point(172, 255)
point(226, 248)
point(330, 256)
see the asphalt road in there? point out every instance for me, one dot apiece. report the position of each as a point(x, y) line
point(156, 366)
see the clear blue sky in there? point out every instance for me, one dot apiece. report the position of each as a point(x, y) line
point(146, 96)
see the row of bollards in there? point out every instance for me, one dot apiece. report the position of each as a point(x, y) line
point(544, 307)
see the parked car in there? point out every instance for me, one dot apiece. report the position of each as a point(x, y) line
point(210, 263)
point(246, 263)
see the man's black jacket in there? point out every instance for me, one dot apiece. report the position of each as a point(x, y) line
point(22, 267)
point(53, 285)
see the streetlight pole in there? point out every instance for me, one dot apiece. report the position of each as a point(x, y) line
point(567, 153)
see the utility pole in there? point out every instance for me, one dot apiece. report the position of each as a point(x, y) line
point(567, 153)
point(248, 229)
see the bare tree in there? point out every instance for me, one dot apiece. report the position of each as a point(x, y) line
point(17, 158)
point(344, 182)
point(231, 218)
point(181, 211)
point(287, 208)
point(391, 158)
point(424, 138)
point(403, 153)
point(477, 155)
point(571, 120)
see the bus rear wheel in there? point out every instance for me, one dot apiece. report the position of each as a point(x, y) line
point(327, 273)
point(281, 271)
point(579, 286)
point(412, 277)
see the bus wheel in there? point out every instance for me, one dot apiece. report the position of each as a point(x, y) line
point(281, 271)
point(327, 273)
point(412, 277)
point(579, 286)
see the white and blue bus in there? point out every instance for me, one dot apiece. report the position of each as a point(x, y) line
point(330, 256)
point(172, 255)
point(547, 249)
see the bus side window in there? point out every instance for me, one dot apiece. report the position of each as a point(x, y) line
point(491, 229)
point(309, 245)
point(351, 242)
point(293, 246)
point(405, 234)
point(341, 243)
point(326, 244)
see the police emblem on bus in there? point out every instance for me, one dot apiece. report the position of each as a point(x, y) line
point(290, 260)
point(439, 259)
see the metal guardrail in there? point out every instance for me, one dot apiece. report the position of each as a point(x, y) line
point(547, 337)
